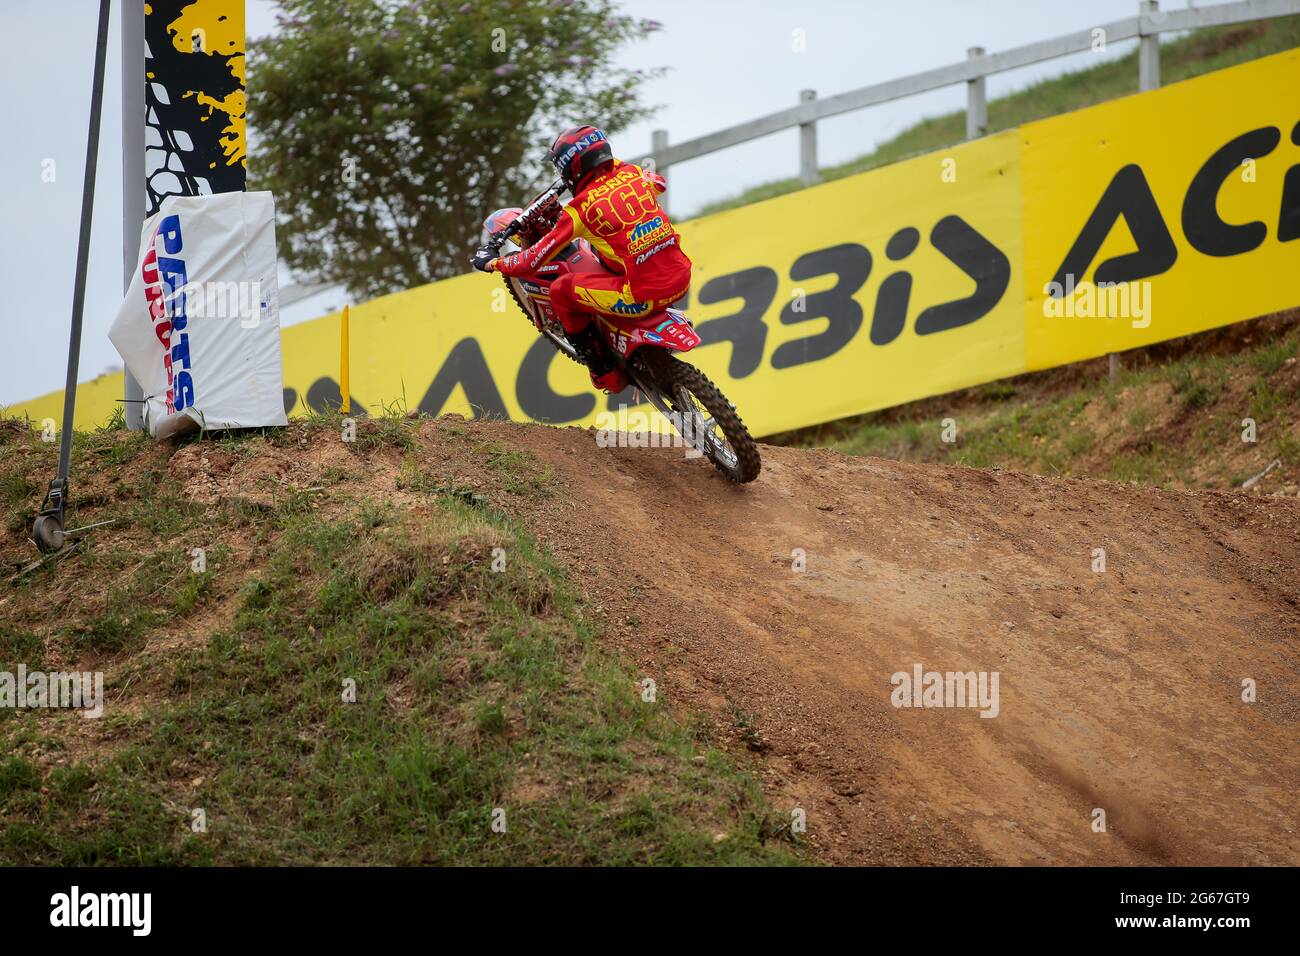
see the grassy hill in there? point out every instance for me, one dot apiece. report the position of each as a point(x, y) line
point(1201, 52)
point(478, 684)
point(1174, 418)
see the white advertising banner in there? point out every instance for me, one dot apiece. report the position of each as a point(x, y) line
point(200, 325)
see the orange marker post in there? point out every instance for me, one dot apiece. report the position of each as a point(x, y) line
point(345, 406)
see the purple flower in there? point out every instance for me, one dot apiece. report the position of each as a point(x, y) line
point(447, 68)
point(505, 69)
point(650, 26)
point(467, 8)
point(419, 87)
point(391, 34)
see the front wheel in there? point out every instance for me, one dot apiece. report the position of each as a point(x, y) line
point(704, 416)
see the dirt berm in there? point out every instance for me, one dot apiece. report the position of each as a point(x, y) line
point(1119, 690)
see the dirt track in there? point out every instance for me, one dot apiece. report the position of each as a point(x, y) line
point(1118, 690)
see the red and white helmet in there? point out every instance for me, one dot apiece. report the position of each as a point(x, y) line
point(577, 152)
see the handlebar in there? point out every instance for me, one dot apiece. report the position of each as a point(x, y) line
point(550, 192)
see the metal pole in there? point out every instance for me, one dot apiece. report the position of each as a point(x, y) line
point(83, 239)
point(977, 107)
point(48, 530)
point(659, 143)
point(133, 194)
point(808, 144)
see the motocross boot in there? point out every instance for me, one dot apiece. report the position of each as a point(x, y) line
point(595, 355)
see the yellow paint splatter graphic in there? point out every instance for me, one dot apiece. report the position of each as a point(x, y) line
point(232, 137)
point(216, 28)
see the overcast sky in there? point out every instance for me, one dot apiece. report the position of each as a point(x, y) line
point(730, 60)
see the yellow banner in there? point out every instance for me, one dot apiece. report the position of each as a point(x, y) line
point(945, 271)
point(1187, 197)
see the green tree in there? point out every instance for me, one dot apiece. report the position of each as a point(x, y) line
point(388, 130)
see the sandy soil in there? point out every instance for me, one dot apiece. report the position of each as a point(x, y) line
point(1118, 690)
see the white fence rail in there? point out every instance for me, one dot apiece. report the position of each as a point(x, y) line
point(1146, 27)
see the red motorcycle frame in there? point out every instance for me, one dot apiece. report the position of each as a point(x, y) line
point(642, 346)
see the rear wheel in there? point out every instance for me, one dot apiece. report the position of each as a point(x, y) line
point(704, 416)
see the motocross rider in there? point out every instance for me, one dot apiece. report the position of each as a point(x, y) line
point(615, 208)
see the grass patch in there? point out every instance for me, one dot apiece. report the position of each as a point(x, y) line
point(1175, 423)
point(1196, 391)
point(521, 473)
point(18, 645)
point(379, 694)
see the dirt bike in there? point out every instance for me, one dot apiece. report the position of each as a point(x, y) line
point(641, 346)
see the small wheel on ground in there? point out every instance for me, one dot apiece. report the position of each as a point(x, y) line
point(47, 532)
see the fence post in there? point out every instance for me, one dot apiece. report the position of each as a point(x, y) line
point(659, 143)
point(977, 107)
point(807, 144)
point(1148, 50)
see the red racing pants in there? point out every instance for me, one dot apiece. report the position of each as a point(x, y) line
point(575, 296)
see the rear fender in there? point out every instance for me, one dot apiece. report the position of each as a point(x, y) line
point(669, 330)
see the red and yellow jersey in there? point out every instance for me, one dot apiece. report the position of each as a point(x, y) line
point(618, 212)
